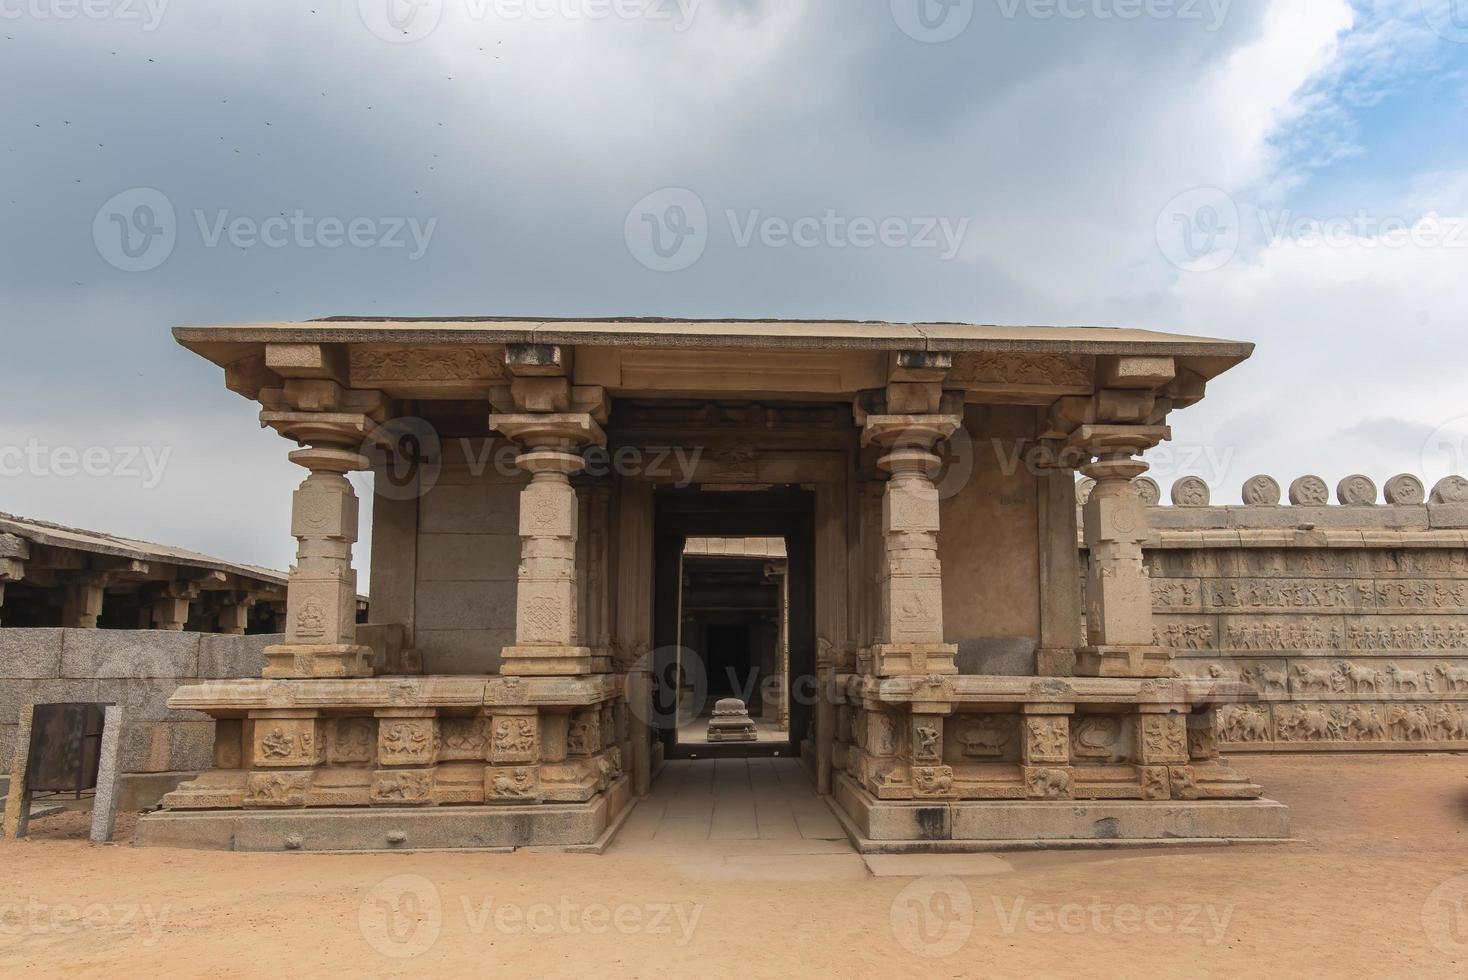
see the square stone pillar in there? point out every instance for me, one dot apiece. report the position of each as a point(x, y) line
point(321, 597)
point(1119, 637)
point(910, 580)
point(547, 638)
point(81, 602)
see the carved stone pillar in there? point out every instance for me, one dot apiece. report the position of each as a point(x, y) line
point(81, 602)
point(1119, 634)
point(547, 640)
point(234, 613)
point(170, 605)
point(321, 598)
point(910, 612)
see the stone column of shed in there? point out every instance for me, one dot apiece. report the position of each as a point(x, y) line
point(547, 637)
point(910, 614)
point(321, 596)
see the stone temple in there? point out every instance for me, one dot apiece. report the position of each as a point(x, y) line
point(537, 483)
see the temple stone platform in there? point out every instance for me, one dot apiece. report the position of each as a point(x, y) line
point(965, 763)
point(403, 763)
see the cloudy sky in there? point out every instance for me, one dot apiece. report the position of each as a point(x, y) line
point(1290, 172)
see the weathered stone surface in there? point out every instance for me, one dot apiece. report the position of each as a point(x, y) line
point(15, 694)
point(129, 653)
point(109, 777)
point(30, 653)
point(16, 814)
point(234, 656)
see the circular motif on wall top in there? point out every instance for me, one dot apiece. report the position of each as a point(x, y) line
point(1451, 490)
point(1083, 490)
point(1356, 491)
point(1261, 491)
point(1148, 490)
point(1309, 491)
point(1191, 491)
point(1405, 491)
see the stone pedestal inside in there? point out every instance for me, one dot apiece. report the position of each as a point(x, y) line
point(731, 722)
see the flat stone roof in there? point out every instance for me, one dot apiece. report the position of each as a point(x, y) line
point(99, 543)
point(731, 334)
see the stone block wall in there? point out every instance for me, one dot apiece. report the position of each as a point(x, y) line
point(468, 552)
point(1349, 619)
point(137, 669)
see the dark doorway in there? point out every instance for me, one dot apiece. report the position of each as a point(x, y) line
point(727, 657)
point(713, 620)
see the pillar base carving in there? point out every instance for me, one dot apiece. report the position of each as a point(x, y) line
point(908, 659)
point(551, 661)
point(1124, 661)
point(286, 660)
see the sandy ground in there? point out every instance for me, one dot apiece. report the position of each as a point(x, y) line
point(1378, 886)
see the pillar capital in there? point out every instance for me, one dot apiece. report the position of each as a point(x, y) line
point(331, 441)
point(565, 432)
